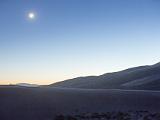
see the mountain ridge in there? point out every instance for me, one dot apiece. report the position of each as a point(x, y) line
point(124, 79)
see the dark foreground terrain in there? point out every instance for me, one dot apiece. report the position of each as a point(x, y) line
point(47, 103)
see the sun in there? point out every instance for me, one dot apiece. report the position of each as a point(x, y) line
point(31, 15)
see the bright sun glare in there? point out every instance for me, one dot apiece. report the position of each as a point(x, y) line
point(31, 15)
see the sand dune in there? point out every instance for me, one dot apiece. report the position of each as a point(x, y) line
point(138, 78)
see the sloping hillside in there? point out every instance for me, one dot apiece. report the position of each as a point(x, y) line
point(141, 78)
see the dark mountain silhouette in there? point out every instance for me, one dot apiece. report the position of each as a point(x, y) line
point(139, 78)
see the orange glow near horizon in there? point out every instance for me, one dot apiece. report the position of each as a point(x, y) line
point(31, 80)
point(40, 82)
point(46, 77)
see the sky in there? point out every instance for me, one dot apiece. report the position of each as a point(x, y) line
point(72, 38)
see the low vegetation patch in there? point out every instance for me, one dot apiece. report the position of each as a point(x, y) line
point(129, 115)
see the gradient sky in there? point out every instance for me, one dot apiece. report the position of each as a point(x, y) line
point(71, 38)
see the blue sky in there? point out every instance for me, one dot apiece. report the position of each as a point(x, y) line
point(71, 38)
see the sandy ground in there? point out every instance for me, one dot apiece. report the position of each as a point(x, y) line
point(43, 103)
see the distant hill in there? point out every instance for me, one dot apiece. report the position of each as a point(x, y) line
point(139, 78)
point(26, 85)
